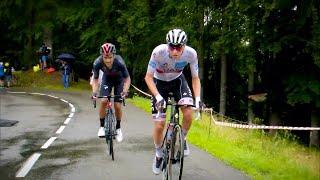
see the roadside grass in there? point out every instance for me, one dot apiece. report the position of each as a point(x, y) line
point(42, 80)
point(254, 152)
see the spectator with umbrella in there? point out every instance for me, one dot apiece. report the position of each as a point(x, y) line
point(66, 59)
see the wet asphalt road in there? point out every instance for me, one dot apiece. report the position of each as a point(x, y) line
point(77, 153)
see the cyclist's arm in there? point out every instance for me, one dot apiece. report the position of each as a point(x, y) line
point(127, 82)
point(196, 86)
point(150, 83)
point(95, 85)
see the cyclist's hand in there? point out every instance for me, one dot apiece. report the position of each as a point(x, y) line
point(94, 96)
point(201, 106)
point(161, 103)
point(124, 94)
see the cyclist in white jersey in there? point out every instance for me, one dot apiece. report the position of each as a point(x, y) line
point(165, 75)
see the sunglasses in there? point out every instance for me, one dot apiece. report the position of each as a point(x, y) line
point(175, 47)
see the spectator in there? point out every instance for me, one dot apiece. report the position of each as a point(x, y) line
point(66, 69)
point(2, 76)
point(8, 74)
point(43, 52)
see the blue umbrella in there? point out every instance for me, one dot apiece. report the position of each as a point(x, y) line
point(66, 57)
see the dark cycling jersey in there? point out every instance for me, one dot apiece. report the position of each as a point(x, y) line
point(113, 77)
point(117, 73)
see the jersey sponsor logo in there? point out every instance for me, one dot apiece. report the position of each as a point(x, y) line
point(168, 70)
point(180, 65)
point(152, 64)
point(196, 67)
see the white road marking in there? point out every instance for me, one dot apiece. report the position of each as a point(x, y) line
point(60, 129)
point(53, 96)
point(48, 143)
point(71, 115)
point(64, 100)
point(17, 92)
point(67, 120)
point(26, 167)
point(23, 171)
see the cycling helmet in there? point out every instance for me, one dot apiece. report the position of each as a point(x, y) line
point(107, 48)
point(176, 37)
point(6, 64)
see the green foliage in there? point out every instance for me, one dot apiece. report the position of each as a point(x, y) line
point(303, 89)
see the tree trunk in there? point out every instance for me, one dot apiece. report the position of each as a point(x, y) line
point(28, 54)
point(314, 135)
point(274, 121)
point(201, 44)
point(223, 82)
point(250, 89)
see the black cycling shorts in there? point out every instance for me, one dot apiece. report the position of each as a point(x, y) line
point(107, 85)
point(180, 89)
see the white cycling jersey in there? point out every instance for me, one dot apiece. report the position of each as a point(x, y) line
point(165, 68)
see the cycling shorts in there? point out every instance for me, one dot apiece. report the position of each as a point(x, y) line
point(178, 87)
point(107, 85)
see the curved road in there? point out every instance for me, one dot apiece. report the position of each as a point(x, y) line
point(77, 153)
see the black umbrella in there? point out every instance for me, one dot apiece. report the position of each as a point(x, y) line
point(66, 57)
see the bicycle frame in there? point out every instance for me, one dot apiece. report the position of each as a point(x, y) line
point(173, 154)
point(109, 123)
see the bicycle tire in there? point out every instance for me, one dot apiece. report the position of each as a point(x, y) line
point(109, 134)
point(111, 130)
point(165, 159)
point(176, 154)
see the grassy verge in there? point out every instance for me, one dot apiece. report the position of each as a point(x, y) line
point(252, 151)
point(42, 80)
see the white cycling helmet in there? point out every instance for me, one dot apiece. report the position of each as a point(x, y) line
point(176, 37)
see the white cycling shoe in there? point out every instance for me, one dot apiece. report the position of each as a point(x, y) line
point(119, 136)
point(101, 132)
point(156, 165)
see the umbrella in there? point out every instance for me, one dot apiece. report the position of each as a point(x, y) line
point(66, 57)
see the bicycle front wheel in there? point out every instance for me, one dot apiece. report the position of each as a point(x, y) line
point(175, 165)
point(109, 134)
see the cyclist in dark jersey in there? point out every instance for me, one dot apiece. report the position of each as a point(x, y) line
point(115, 75)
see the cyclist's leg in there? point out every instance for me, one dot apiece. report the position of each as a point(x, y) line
point(159, 124)
point(118, 87)
point(104, 91)
point(184, 97)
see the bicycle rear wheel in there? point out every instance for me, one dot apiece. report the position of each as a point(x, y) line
point(175, 164)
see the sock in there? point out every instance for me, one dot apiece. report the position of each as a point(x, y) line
point(184, 132)
point(101, 122)
point(159, 152)
point(118, 124)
